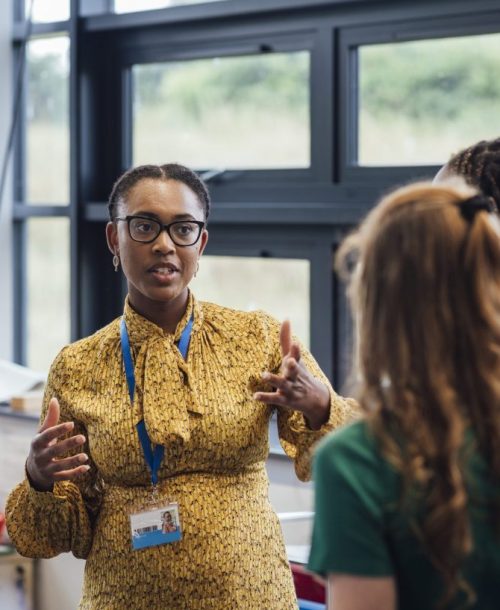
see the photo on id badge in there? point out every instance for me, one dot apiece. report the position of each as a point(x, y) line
point(157, 526)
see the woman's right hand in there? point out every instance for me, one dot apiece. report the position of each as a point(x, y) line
point(45, 466)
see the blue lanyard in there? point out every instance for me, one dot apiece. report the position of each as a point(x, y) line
point(153, 457)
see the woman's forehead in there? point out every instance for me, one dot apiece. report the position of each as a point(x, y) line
point(162, 196)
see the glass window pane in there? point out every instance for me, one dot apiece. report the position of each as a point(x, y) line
point(47, 118)
point(247, 112)
point(48, 304)
point(127, 6)
point(250, 283)
point(48, 10)
point(421, 101)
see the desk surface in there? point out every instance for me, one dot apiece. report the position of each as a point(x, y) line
point(6, 411)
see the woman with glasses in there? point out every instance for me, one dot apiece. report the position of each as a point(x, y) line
point(167, 409)
point(407, 499)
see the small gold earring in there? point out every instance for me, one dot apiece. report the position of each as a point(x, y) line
point(116, 262)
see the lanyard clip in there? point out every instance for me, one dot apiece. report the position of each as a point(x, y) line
point(154, 493)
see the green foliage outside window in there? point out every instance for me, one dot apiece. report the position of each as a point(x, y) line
point(234, 112)
point(421, 101)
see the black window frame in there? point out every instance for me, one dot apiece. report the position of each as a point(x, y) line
point(419, 29)
point(22, 211)
point(192, 51)
point(315, 206)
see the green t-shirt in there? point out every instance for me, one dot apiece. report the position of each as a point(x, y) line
point(360, 529)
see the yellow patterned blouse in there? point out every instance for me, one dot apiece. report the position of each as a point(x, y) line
point(231, 556)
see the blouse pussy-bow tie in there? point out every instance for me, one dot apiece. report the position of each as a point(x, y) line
point(164, 394)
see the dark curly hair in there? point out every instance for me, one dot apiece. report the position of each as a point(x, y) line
point(479, 165)
point(168, 171)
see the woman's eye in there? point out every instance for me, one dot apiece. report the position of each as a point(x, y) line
point(144, 227)
point(184, 229)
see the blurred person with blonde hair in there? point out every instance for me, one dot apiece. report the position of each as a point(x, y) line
point(408, 498)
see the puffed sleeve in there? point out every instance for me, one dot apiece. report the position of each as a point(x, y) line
point(44, 524)
point(296, 437)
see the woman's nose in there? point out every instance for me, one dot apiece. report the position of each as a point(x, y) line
point(163, 243)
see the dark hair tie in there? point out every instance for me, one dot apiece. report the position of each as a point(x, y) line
point(479, 203)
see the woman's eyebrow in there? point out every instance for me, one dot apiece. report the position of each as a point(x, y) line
point(156, 217)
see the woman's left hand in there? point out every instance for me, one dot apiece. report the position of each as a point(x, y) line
point(295, 387)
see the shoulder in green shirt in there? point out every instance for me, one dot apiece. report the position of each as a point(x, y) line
point(359, 527)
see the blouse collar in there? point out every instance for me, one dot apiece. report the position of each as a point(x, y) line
point(141, 329)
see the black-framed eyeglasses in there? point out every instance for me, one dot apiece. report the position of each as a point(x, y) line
point(146, 230)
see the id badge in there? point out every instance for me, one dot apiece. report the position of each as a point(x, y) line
point(159, 525)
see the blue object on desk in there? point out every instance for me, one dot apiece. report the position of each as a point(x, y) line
point(307, 605)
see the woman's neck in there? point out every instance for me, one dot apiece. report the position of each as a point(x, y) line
point(165, 314)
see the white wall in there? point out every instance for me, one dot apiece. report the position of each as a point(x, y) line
point(60, 582)
point(6, 309)
point(288, 494)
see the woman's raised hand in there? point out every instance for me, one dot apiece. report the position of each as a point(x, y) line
point(295, 387)
point(45, 466)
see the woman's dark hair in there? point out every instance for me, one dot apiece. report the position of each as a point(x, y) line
point(479, 165)
point(168, 171)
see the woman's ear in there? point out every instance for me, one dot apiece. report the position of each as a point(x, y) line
point(112, 237)
point(203, 241)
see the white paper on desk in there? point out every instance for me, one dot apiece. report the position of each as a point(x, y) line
point(16, 379)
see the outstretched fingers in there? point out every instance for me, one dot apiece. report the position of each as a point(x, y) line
point(46, 437)
point(48, 460)
point(283, 388)
point(68, 468)
point(63, 447)
point(277, 398)
point(290, 369)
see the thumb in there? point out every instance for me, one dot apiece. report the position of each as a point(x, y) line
point(285, 337)
point(52, 417)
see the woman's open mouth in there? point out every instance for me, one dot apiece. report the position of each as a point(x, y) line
point(163, 272)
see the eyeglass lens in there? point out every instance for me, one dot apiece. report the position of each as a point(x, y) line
point(182, 233)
